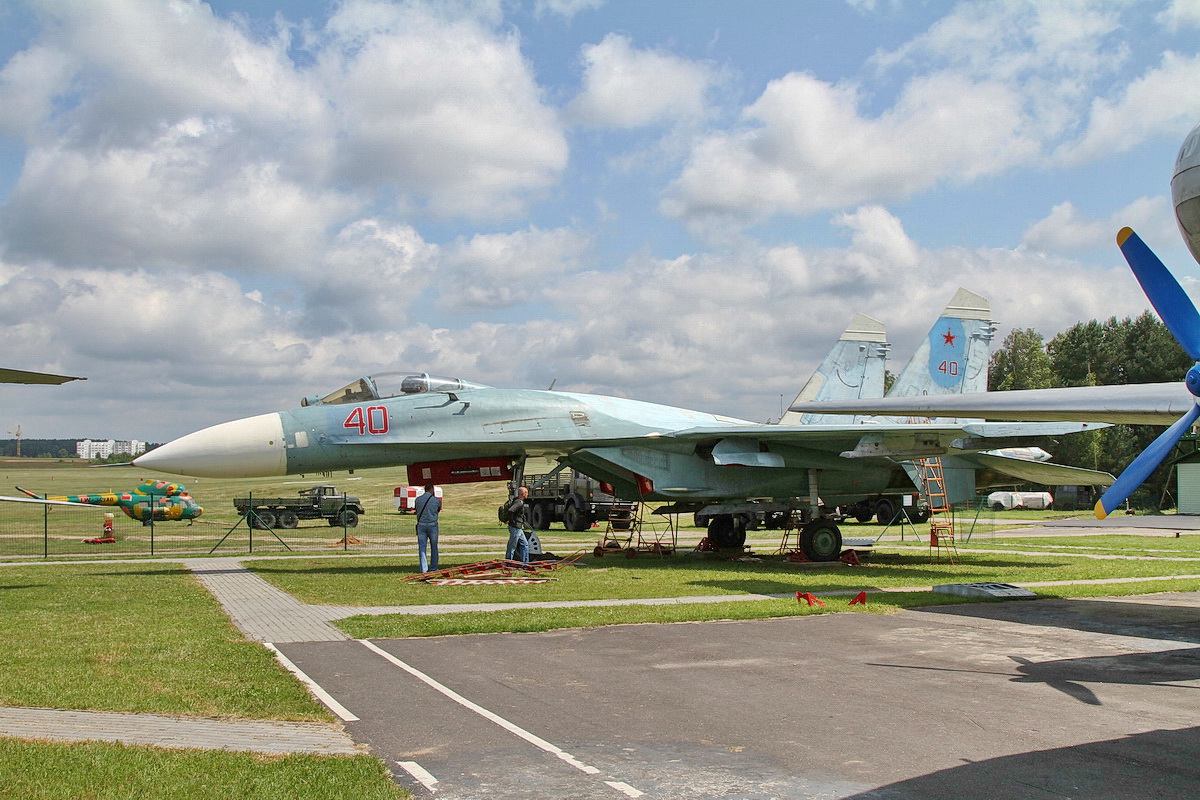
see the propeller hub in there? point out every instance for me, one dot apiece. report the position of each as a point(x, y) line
point(1193, 380)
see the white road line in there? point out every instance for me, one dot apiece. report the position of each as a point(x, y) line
point(625, 788)
point(322, 695)
point(419, 773)
point(536, 741)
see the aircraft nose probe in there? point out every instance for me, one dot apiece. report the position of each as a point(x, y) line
point(1179, 314)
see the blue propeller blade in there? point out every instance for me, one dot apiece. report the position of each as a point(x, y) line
point(1164, 292)
point(1144, 464)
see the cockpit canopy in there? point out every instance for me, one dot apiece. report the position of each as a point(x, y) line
point(390, 384)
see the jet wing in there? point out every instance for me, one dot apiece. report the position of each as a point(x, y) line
point(742, 445)
point(1136, 404)
point(21, 376)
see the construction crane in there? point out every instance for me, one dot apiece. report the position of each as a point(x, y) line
point(17, 433)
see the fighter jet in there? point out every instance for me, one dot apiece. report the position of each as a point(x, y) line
point(450, 429)
point(1151, 403)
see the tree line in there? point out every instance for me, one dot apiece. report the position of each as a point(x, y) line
point(1095, 353)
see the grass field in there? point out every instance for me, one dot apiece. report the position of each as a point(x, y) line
point(103, 771)
point(121, 637)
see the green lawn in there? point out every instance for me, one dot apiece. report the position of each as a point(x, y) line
point(379, 581)
point(104, 771)
point(141, 637)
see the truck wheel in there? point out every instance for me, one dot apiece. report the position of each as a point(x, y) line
point(538, 518)
point(288, 519)
point(726, 530)
point(347, 519)
point(885, 511)
point(919, 516)
point(575, 518)
point(821, 540)
point(262, 520)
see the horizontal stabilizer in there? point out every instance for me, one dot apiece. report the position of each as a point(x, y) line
point(1043, 472)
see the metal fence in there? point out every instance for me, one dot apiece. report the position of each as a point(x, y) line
point(32, 531)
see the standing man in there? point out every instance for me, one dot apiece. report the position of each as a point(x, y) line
point(518, 545)
point(428, 506)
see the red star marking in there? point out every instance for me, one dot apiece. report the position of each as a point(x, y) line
point(948, 338)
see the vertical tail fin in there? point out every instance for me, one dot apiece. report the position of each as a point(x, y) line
point(854, 369)
point(953, 357)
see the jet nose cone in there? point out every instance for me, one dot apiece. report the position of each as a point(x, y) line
point(244, 448)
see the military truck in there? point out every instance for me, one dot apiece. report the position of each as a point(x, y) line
point(322, 501)
point(573, 499)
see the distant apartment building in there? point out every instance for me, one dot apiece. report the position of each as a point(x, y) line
point(103, 449)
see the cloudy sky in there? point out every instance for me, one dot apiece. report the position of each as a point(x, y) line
point(213, 209)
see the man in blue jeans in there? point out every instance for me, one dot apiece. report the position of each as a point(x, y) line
point(518, 545)
point(428, 506)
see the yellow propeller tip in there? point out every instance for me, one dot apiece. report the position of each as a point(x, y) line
point(1100, 512)
point(1122, 235)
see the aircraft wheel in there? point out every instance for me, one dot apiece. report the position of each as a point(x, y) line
point(885, 511)
point(288, 519)
point(726, 530)
point(347, 519)
point(997, 506)
point(263, 520)
point(700, 520)
point(821, 540)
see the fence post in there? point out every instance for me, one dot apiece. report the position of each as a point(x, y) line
point(345, 530)
point(250, 516)
point(45, 529)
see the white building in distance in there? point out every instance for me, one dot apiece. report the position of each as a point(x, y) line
point(103, 449)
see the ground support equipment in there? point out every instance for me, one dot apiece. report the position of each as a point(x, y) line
point(494, 569)
point(628, 533)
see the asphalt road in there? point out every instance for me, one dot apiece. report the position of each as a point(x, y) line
point(1035, 699)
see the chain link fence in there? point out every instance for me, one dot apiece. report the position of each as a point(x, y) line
point(31, 531)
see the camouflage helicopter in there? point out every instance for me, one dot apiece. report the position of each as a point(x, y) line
point(158, 500)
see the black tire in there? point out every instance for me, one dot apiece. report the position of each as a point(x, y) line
point(997, 506)
point(885, 511)
point(862, 514)
point(539, 517)
point(263, 520)
point(575, 518)
point(919, 516)
point(288, 519)
point(821, 540)
point(347, 518)
point(700, 520)
point(726, 531)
